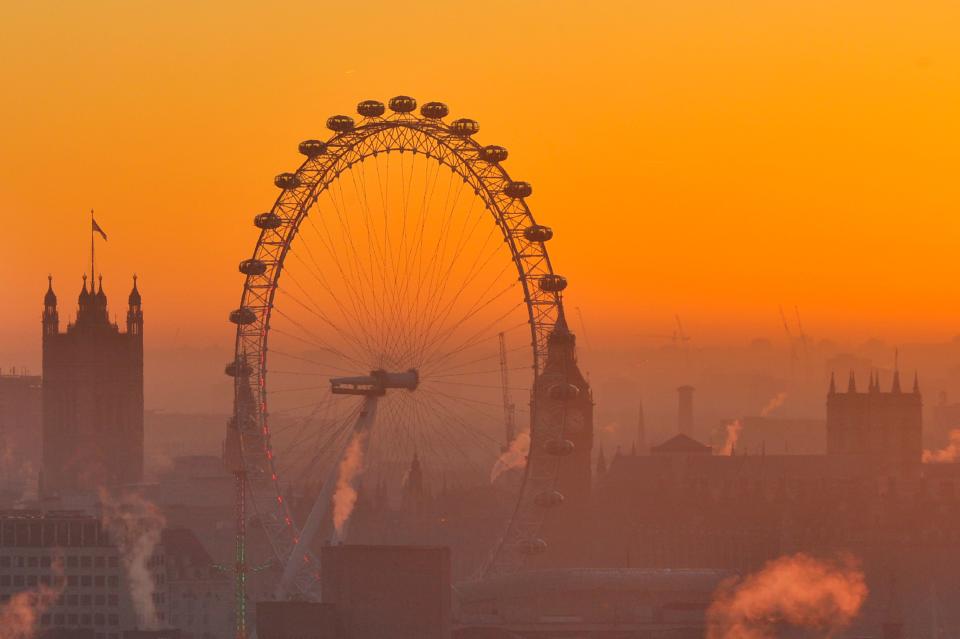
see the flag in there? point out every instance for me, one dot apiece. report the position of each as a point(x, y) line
point(97, 229)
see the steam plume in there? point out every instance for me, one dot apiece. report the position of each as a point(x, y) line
point(796, 590)
point(515, 456)
point(135, 525)
point(950, 453)
point(345, 497)
point(733, 434)
point(19, 615)
point(775, 402)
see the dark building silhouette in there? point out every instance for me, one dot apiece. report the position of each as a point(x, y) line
point(685, 410)
point(886, 428)
point(92, 395)
point(19, 425)
point(561, 389)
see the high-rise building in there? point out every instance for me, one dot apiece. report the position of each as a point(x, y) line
point(92, 395)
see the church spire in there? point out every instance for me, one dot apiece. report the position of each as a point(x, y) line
point(833, 384)
point(916, 383)
point(896, 372)
point(852, 383)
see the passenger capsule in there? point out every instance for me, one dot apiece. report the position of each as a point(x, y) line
point(549, 498)
point(243, 370)
point(402, 104)
point(493, 153)
point(371, 108)
point(253, 267)
point(287, 181)
point(518, 189)
point(558, 447)
point(434, 110)
point(564, 391)
point(553, 283)
point(267, 221)
point(538, 233)
point(533, 546)
point(243, 316)
point(465, 127)
point(312, 148)
point(340, 123)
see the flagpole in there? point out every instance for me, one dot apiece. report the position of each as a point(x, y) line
point(91, 250)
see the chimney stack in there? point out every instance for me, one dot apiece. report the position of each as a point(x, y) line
point(685, 410)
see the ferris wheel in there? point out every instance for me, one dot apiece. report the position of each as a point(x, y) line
point(370, 328)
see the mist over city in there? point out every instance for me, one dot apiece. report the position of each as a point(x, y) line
point(505, 320)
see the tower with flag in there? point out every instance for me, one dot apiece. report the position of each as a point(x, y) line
point(92, 389)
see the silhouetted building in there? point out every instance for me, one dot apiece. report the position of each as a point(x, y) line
point(199, 595)
point(562, 390)
point(884, 427)
point(298, 620)
point(20, 425)
point(92, 395)
point(402, 592)
point(71, 556)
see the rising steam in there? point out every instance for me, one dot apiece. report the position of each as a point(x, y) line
point(19, 615)
point(950, 453)
point(345, 497)
point(135, 525)
point(775, 402)
point(733, 434)
point(735, 427)
point(515, 456)
point(797, 590)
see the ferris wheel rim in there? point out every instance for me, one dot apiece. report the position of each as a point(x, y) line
point(397, 132)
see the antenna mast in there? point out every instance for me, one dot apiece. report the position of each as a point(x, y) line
point(509, 410)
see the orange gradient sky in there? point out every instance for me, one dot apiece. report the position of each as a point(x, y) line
point(709, 159)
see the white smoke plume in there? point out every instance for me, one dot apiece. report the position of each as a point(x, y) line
point(515, 456)
point(775, 402)
point(345, 496)
point(20, 615)
point(950, 453)
point(797, 590)
point(734, 429)
point(135, 526)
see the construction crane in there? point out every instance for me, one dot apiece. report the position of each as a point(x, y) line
point(509, 410)
point(792, 342)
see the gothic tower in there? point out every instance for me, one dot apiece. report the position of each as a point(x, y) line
point(884, 428)
point(563, 393)
point(92, 395)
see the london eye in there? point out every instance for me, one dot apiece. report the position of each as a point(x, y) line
point(392, 264)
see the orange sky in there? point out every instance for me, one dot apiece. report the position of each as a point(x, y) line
point(711, 159)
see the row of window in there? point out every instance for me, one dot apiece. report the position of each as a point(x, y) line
point(72, 561)
point(71, 581)
point(85, 619)
point(73, 600)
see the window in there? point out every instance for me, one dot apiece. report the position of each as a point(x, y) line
point(45, 561)
point(4, 580)
point(99, 581)
point(113, 581)
point(86, 561)
point(99, 562)
point(4, 562)
point(86, 581)
point(33, 562)
point(85, 601)
point(99, 600)
point(72, 561)
point(112, 600)
point(72, 581)
point(31, 580)
point(113, 620)
point(113, 562)
point(18, 580)
point(73, 600)
point(72, 619)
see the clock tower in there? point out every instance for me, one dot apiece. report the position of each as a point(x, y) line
point(563, 391)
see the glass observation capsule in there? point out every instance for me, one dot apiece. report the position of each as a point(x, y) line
point(371, 108)
point(518, 189)
point(243, 316)
point(564, 391)
point(312, 148)
point(538, 233)
point(268, 220)
point(340, 123)
point(553, 283)
point(243, 370)
point(253, 267)
point(493, 153)
point(434, 110)
point(402, 104)
point(287, 181)
point(465, 126)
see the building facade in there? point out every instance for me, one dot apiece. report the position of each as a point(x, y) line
point(92, 395)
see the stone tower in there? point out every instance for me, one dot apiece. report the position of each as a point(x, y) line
point(92, 395)
point(883, 427)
